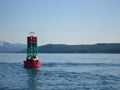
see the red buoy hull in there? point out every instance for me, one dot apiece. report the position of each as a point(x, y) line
point(30, 64)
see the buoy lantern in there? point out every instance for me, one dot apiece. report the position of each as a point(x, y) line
point(32, 60)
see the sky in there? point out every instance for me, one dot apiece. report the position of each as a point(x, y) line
point(69, 22)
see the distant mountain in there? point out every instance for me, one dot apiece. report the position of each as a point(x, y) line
point(8, 47)
point(95, 48)
point(11, 47)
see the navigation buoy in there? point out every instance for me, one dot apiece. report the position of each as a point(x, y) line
point(32, 60)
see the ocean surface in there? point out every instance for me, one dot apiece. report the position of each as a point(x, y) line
point(61, 72)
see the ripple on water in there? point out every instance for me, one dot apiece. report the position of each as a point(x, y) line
point(14, 77)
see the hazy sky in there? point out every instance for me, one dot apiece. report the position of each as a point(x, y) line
point(61, 21)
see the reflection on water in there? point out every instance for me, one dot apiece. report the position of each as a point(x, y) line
point(32, 78)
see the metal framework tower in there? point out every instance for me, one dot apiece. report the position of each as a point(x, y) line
point(32, 48)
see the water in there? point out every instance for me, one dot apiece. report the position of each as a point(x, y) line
point(61, 72)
